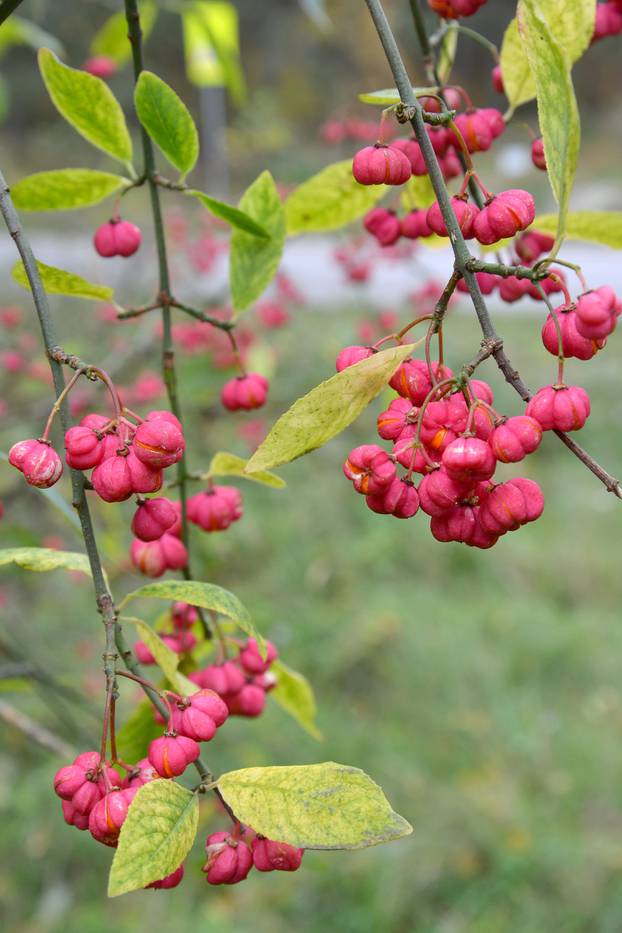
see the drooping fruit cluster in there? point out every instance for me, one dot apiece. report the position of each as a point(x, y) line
point(245, 392)
point(230, 856)
point(117, 238)
point(242, 682)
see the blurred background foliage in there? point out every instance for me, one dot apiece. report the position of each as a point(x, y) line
point(481, 689)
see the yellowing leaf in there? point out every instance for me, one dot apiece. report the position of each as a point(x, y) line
point(64, 189)
point(43, 558)
point(59, 282)
point(232, 215)
point(166, 659)
point(390, 95)
point(590, 226)
point(294, 694)
point(156, 836)
point(330, 200)
point(225, 464)
point(324, 806)
point(167, 120)
point(327, 409)
point(253, 261)
point(88, 104)
point(418, 193)
point(558, 114)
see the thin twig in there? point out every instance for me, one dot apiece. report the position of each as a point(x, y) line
point(35, 731)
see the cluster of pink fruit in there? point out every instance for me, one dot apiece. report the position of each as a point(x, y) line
point(446, 429)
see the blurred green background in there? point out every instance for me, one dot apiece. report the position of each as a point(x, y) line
point(480, 689)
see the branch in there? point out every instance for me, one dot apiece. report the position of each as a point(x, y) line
point(35, 731)
point(168, 351)
point(464, 261)
point(8, 7)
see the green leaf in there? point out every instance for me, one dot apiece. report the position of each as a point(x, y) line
point(43, 558)
point(65, 189)
point(88, 104)
point(137, 732)
point(590, 226)
point(167, 120)
point(111, 40)
point(327, 409)
point(253, 261)
point(447, 54)
point(571, 22)
point(225, 464)
point(230, 214)
point(558, 113)
point(205, 595)
point(329, 200)
point(390, 95)
point(294, 694)
point(417, 193)
point(59, 282)
point(156, 836)
point(166, 659)
point(325, 806)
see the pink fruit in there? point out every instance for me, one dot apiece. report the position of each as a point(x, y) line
point(391, 423)
point(415, 224)
point(117, 238)
point(439, 493)
point(182, 614)
point(112, 480)
point(142, 773)
point(171, 881)
point(229, 860)
point(494, 119)
point(412, 151)
point(466, 214)
point(497, 79)
point(158, 443)
point(165, 416)
point(42, 467)
point(381, 165)
point(573, 344)
point(216, 508)
point(108, 815)
point(469, 459)
point(516, 437)
point(560, 408)
point(224, 679)
point(370, 468)
point(531, 245)
point(504, 216)
point(171, 754)
point(251, 660)
point(399, 499)
point(511, 505)
point(513, 289)
point(82, 782)
point(608, 21)
point(100, 66)
point(245, 392)
point(269, 855)
point(84, 450)
point(537, 154)
point(442, 422)
point(383, 225)
point(153, 518)
point(153, 558)
point(249, 701)
point(486, 281)
point(454, 9)
point(597, 313)
point(19, 452)
point(74, 817)
point(412, 380)
point(351, 355)
point(476, 130)
point(203, 714)
point(144, 478)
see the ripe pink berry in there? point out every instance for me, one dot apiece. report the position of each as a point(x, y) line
point(108, 815)
point(269, 855)
point(100, 66)
point(476, 130)
point(153, 518)
point(560, 408)
point(573, 344)
point(144, 477)
point(497, 79)
point(142, 773)
point(171, 754)
point(511, 505)
point(112, 480)
point(229, 860)
point(249, 701)
point(94, 421)
point(531, 245)
point(399, 499)
point(512, 440)
point(412, 151)
point(469, 459)
point(450, 165)
point(537, 154)
point(442, 422)
point(597, 313)
point(82, 783)
point(381, 165)
point(415, 225)
point(84, 450)
point(466, 214)
point(487, 283)
point(351, 355)
point(383, 225)
point(454, 9)
point(171, 881)
point(608, 21)
point(204, 713)
point(74, 817)
point(456, 524)
point(19, 452)
point(216, 508)
point(439, 493)
point(41, 466)
point(251, 660)
point(513, 289)
point(224, 679)
point(391, 423)
point(370, 468)
point(158, 443)
point(504, 216)
point(182, 614)
point(272, 314)
point(153, 558)
point(245, 392)
point(412, 380)
point(165, 415)
point(117, 238)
